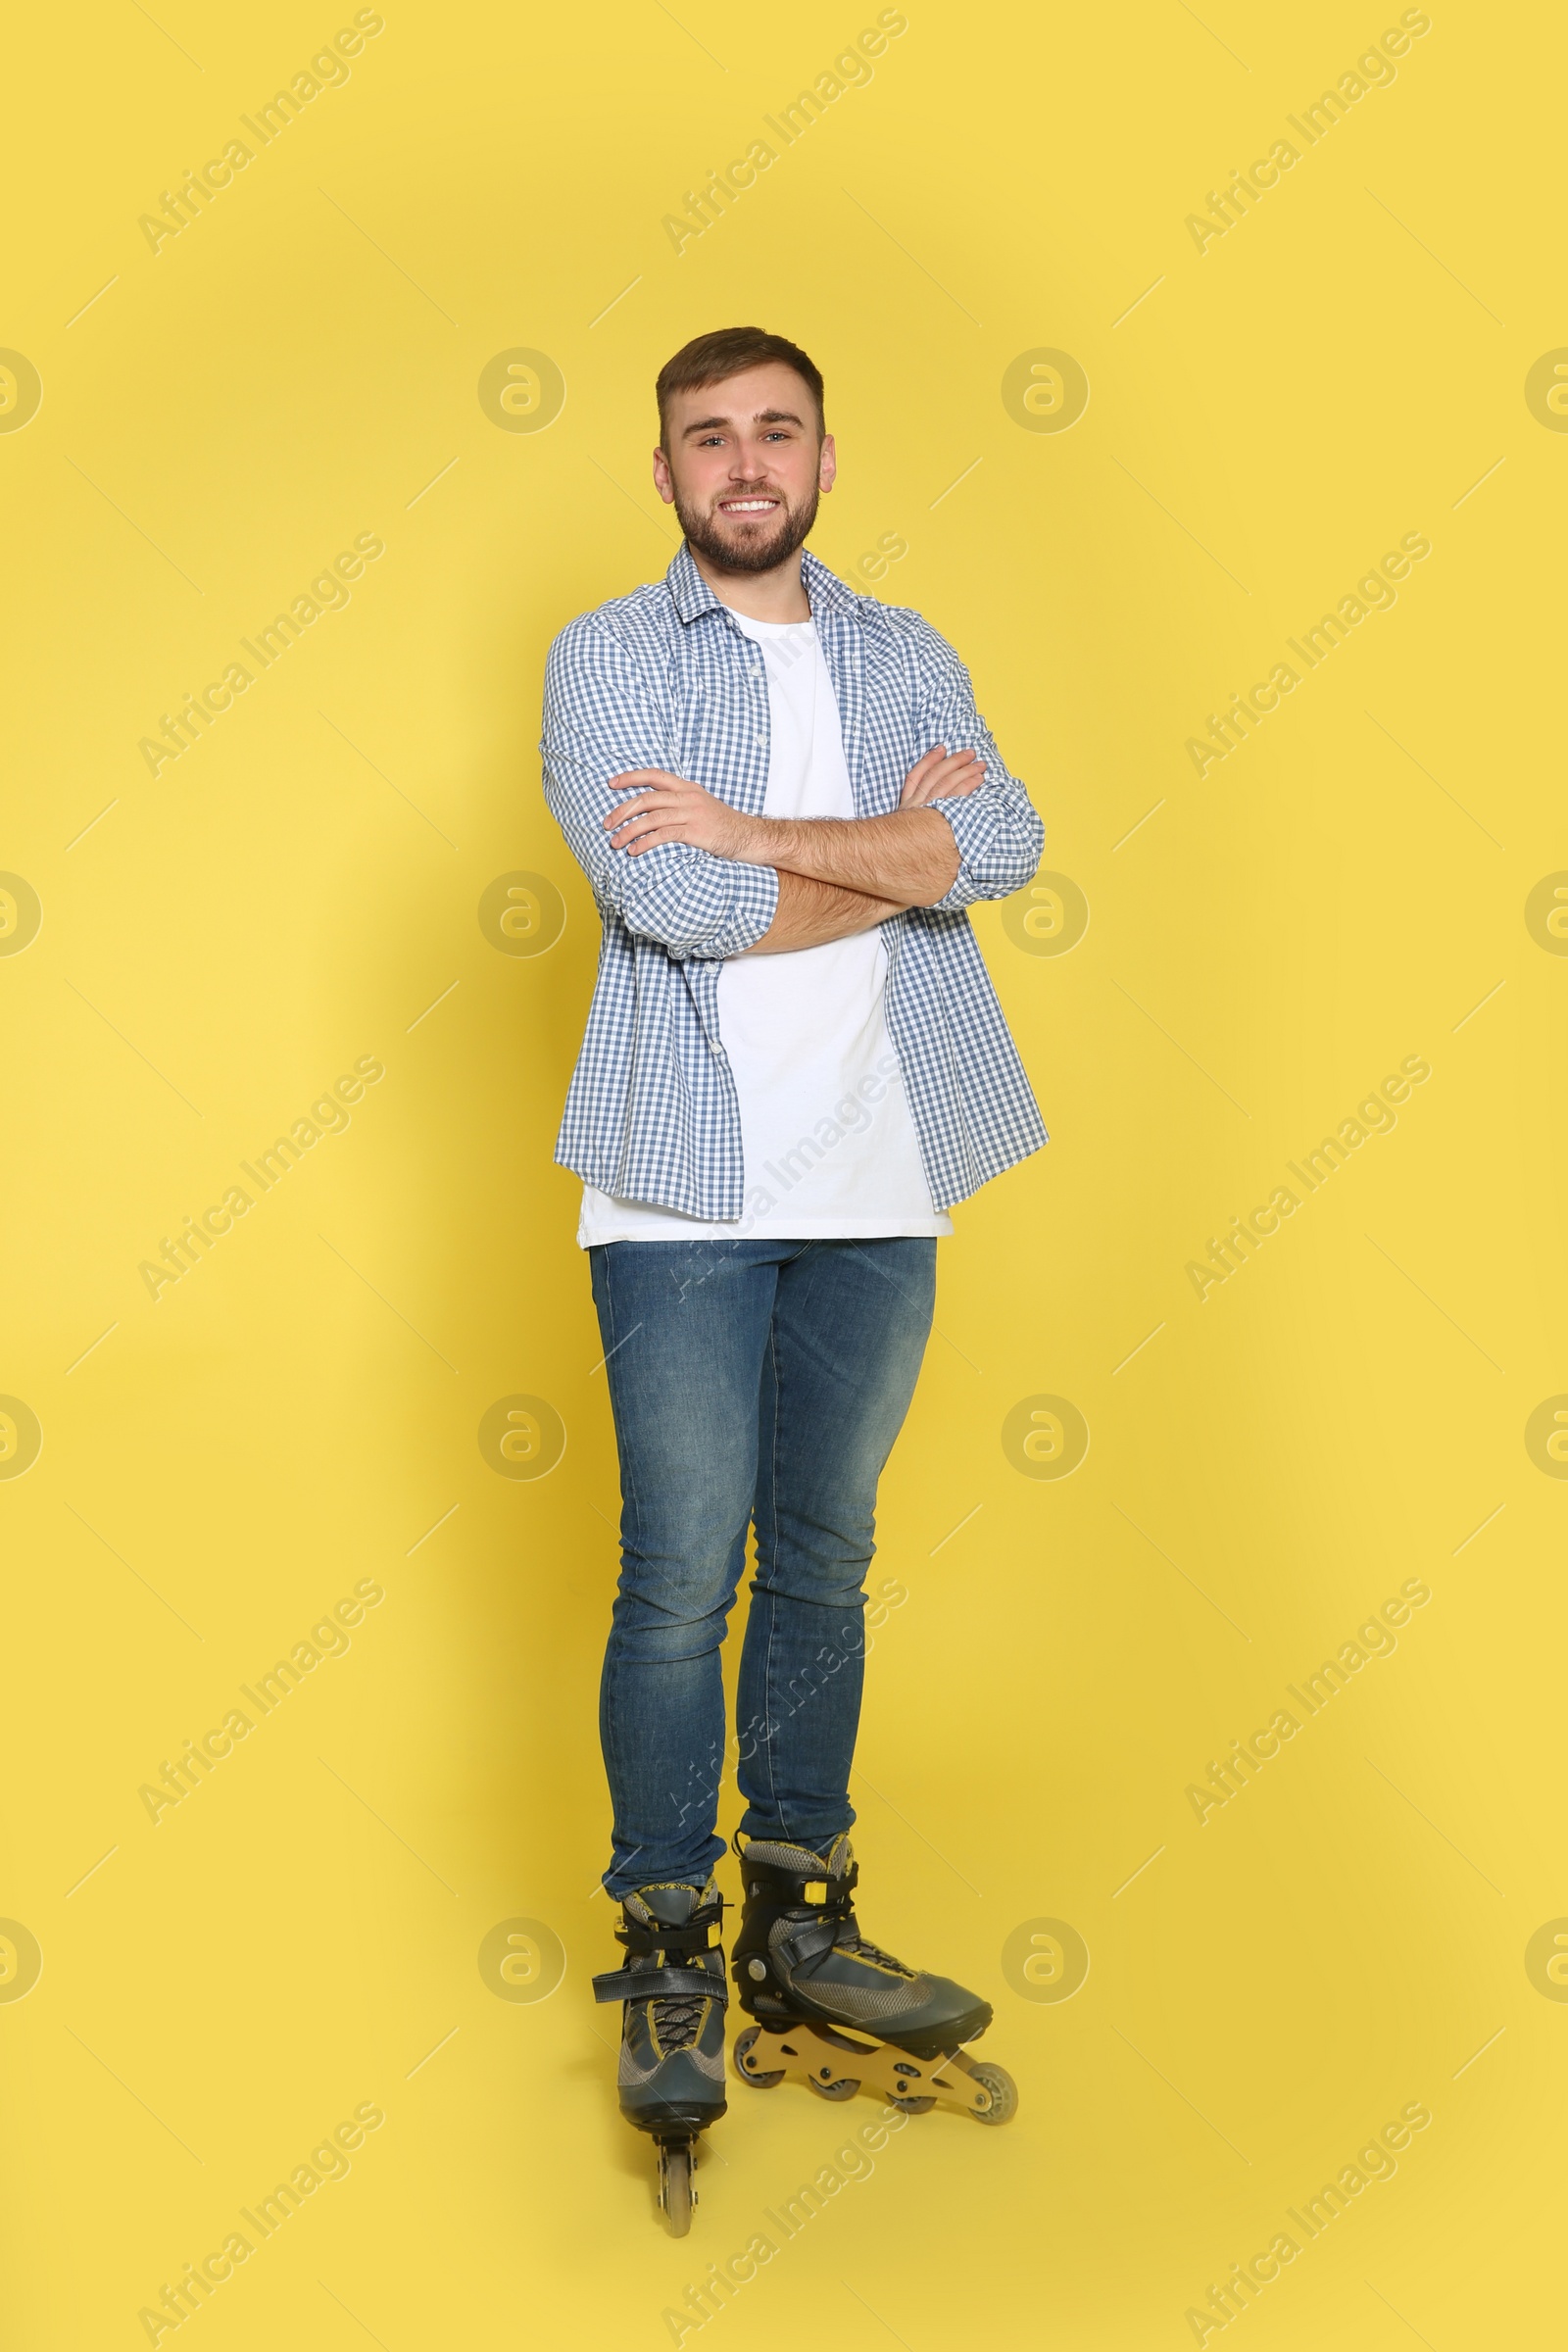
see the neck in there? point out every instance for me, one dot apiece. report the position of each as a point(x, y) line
point(777, 595)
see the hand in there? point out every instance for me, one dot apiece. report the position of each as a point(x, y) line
point(667, 808)
point(942, 776)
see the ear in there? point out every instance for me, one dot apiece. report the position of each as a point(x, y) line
point(664, 481)
point(827, 469)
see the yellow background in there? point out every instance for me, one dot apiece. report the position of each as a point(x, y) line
point(295, 1414)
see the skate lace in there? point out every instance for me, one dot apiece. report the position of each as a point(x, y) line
point(848, 1938)
point(678, 2017)
point(864, 1949)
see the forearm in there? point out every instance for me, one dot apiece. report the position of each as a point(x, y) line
point(909, 857)
point(810, 913)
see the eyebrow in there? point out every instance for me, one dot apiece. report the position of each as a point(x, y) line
point(708, 425)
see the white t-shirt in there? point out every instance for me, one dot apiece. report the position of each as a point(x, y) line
point(830, 1146)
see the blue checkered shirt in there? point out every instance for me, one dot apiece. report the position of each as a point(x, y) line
point(664, 678)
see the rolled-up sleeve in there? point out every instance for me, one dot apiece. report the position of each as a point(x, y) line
point(997, 829)
point(603, 718)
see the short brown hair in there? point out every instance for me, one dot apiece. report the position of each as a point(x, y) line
point(729, 351)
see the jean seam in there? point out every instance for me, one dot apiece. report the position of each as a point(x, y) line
point(772, 1612)
point(623, 1460)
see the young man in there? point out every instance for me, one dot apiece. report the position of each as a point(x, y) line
point(795, 1064)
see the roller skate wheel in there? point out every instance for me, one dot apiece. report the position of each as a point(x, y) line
point(1003, 2093)
point(676, 2195)
point(761, 2081)
point(845, 2087)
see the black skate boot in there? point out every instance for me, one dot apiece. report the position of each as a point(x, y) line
point(812, 1981)
point(671, 2075)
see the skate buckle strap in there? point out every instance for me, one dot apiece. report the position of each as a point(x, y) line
point(700, 1934)
point(660, 1985)
point(832, 1894)
point(833, 1902)
point(807, 1942)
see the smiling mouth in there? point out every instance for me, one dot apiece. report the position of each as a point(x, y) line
point(747, 506)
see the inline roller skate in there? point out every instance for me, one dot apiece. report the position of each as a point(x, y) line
point(671, 2073)
point(835, 2011)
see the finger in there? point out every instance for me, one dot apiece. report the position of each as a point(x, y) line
point(917, 783)
point(958, 788)
point(966, 765)
point(621, 835)
point(637, 826)
point(929, 791)
point(657, 824)
point(645, 792)
point(949, 777)
point(632, 808)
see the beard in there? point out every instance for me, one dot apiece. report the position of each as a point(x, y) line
point(749, 544)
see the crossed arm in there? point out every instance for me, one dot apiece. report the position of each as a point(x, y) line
point(837, 875)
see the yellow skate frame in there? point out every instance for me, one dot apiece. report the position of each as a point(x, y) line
point(822, 2056)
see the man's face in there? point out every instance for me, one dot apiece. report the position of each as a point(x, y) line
point(743, 467)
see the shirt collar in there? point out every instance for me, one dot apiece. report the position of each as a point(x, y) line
point(691, 595)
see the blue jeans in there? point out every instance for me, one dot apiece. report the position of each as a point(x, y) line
point(751, 1382)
